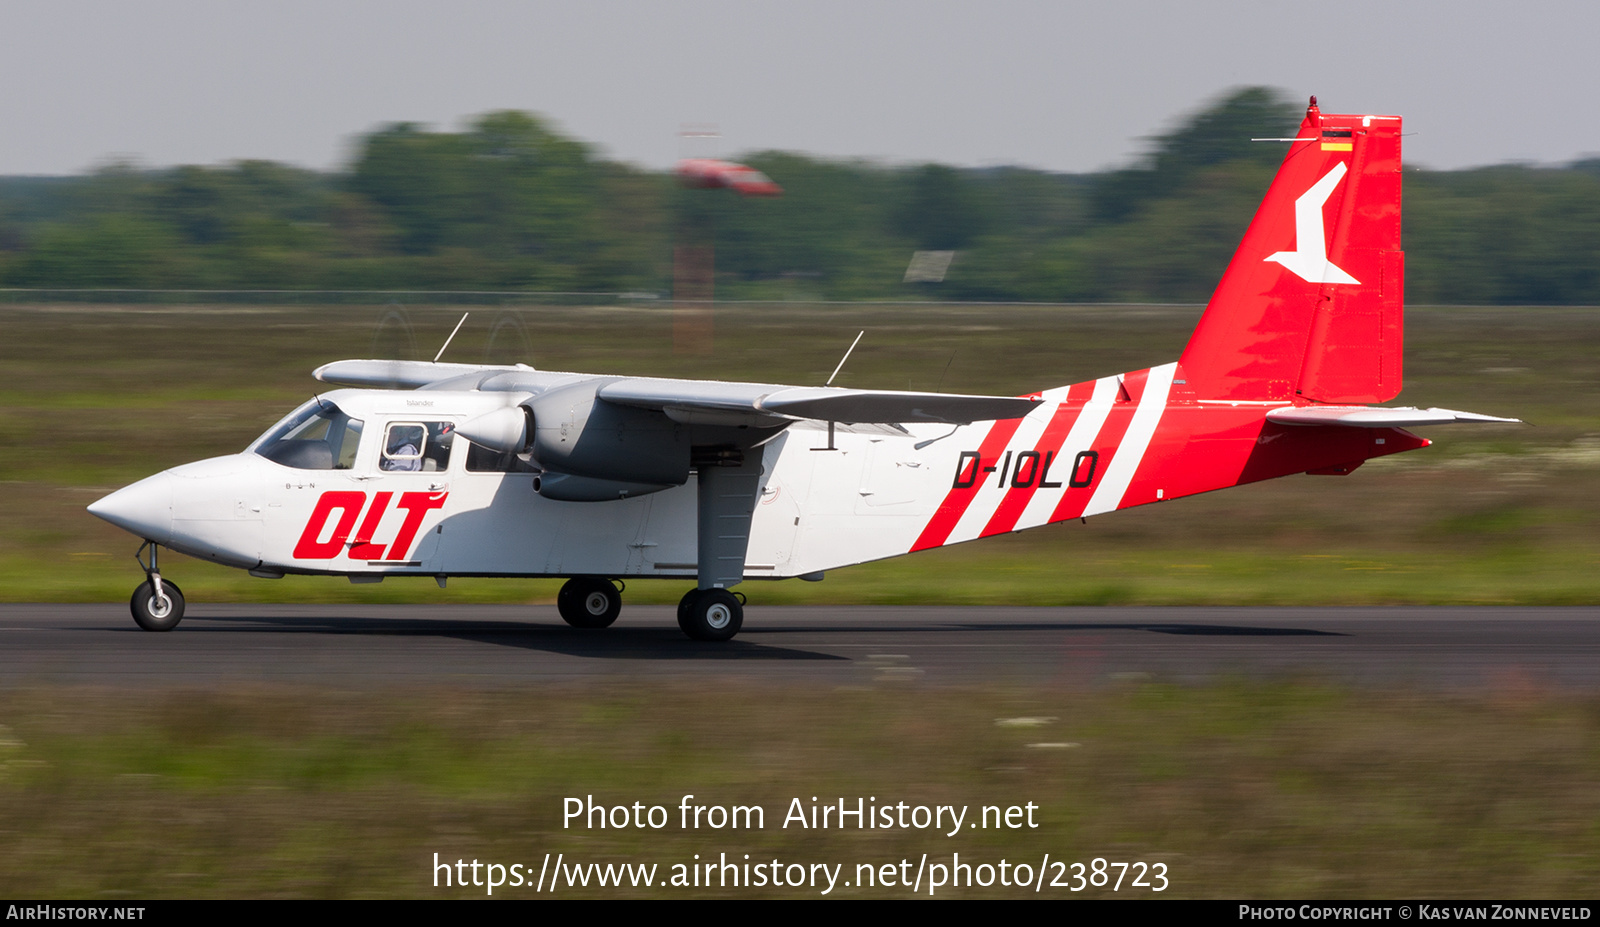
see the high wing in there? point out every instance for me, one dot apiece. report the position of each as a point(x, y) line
point(821, 403)
point(401, 374)
point(694, 399)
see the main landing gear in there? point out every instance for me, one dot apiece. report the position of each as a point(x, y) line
point(703, 614)
point(711, 614)
point(588, 602)
point(157, 604)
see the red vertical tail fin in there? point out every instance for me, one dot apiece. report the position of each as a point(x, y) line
point(1310, 308)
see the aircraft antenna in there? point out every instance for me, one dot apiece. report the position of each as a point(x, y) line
point(946, 369)
point(845, 357)
point(451, 338)
point(922, 444)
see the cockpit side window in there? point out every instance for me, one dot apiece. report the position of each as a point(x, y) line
point(345, 459)
point(316, 436)
point(403, 444)
point(412, 446)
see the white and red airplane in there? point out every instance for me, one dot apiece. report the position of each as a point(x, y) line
point(462, 470)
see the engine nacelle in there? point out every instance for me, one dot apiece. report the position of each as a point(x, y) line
point(568, 488)
point(578, 434)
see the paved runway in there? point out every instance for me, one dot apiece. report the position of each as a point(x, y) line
point(380, 646)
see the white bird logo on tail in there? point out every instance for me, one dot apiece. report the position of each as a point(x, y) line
point(1309, 261)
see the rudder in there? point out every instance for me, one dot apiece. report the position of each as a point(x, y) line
point(1310, 308)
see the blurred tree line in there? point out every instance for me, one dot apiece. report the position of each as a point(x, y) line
point(510, 204)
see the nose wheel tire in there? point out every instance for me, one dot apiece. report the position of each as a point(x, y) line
point(710, 614)
point(585, 602)
point(157, 612)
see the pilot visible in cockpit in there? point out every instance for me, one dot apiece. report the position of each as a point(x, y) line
point(412, 446)
point(402, 451)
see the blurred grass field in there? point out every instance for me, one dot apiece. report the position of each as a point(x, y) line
point(1243, 790)
point(99, 396)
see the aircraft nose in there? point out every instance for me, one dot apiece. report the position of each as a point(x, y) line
point(144, 509)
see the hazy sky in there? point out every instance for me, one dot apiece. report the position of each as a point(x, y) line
point(1055, 85)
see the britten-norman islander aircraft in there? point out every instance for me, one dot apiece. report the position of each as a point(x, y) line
point(443, 469)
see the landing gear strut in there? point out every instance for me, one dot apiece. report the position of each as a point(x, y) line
point(157, 604)
point(711, 614)
point(587, 602)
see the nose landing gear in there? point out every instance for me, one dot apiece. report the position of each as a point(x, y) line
point(157, 604)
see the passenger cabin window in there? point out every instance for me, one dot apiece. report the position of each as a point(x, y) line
point(316, 436)
point(409, 447)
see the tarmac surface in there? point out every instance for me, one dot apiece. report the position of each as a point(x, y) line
point(385, 646)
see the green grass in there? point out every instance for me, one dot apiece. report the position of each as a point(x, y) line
point(1242, 789)
point(98, 397)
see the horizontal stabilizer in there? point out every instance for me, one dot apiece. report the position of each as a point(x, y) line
point(397, 374)
point(821, 403)
point(1375, 417)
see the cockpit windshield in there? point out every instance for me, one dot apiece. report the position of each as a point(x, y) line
point(316, 436)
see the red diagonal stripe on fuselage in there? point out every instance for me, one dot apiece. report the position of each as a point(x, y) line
point(1106, 443)
point(956, 501)
point(1016, 501)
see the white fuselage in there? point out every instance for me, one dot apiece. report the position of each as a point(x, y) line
point(866, 498)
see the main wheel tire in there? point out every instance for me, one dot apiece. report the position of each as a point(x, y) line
point(683, 609)
point(589, 603)
point(155, 614)
point(710, 614)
